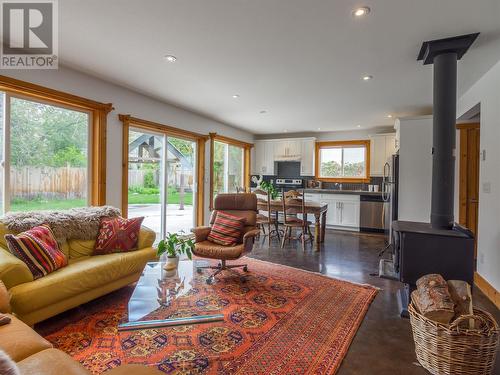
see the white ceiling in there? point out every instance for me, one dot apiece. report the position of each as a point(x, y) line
point(300, 60)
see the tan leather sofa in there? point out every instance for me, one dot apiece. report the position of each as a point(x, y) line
point(35, 356)
point(85, 278)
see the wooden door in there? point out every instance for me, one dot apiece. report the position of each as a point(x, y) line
point(469, 177)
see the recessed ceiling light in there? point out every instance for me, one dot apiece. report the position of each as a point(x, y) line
point(170, 58)
point(236, 96)
point(263, 111)
point(358, 126)
point(319, 128)
point(361, 11)
point(286, 131)
point(389, 116)
point(367, 77)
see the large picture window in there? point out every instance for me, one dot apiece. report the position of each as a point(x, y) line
point(51, 149)
point(347, 161)
point(49, 156)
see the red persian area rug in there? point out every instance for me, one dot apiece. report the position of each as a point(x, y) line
point(281, 321)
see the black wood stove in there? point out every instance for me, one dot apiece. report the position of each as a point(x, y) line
point(441, 246)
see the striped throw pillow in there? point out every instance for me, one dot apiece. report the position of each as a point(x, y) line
point(226, 229)
point(37, 248)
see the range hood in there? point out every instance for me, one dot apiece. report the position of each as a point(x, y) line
point(286, 156)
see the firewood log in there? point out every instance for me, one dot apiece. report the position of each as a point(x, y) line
point(433, 299)
point(462, 297)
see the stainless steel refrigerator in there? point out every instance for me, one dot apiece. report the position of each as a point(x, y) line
point(390, 181)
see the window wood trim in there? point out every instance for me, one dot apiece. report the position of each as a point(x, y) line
point(247, 147)
point(170, 131)
point(98, 122)
point(363, 142)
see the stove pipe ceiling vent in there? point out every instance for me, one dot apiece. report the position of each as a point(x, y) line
point(444, 54)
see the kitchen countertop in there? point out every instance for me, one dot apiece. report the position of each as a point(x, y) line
point(344, 191)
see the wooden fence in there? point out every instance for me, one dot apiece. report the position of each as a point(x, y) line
point(136, 177)
point(48, 182)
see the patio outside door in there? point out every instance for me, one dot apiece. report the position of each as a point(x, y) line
point(161, 181)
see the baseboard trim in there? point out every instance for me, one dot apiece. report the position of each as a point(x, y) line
point(485, 287)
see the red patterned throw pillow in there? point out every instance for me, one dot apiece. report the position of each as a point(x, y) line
point(37, 248)
point(226, 229)
point(118, 235)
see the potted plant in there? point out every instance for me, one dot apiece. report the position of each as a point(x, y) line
point(270, 188)
point(174, 245)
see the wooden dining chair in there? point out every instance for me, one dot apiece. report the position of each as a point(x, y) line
point(266, 220)
point(293, 202)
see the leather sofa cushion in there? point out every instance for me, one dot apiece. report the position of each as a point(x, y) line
point(13, 271)
point(79, 276)
point(207, 249)
point(83, 248)
point(51, 362)
point(19, 341)
point(4, 230)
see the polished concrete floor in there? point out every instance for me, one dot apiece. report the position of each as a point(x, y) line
point(383, 344)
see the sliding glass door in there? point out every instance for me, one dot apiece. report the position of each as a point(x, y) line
point(228, 168)
point(44, 155)
point(161, 181)
point(145, 177)
point(181, 177)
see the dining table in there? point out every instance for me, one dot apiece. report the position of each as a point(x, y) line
point(318, 210)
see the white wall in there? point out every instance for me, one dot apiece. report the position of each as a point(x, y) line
point(415, 168)
point(126, 101)
point(486, 91)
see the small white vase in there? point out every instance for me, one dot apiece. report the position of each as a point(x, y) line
point(171, 263)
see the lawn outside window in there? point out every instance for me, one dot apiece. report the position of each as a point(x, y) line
point(343, 161)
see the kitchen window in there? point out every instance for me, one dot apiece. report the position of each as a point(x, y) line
point(343, 161)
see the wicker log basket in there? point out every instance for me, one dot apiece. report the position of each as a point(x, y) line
point(455, 349)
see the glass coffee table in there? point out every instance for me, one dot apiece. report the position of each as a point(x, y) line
point(164, 298)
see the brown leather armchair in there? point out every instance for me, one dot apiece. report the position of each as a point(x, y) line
point(241, 205)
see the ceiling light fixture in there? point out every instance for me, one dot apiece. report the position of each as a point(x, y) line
point(286, 131)
point(319, 128)
point(389, 116)
point(236, 96)
point(263, 111)
point(367, 77)
point(358, 126)
point(361, 11)
point(170, 58)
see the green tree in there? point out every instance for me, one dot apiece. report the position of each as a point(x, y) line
point(45, 135)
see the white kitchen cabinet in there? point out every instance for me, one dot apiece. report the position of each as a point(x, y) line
point(264, 158)
point(349, 213)
point(343, 211)
point(390, 146)
point(307, 157)
point(382, 147)
point(267, 151)
point(269, 158)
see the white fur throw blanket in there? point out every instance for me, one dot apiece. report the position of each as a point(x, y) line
point(77, 223)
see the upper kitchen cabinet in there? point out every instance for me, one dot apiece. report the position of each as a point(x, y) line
point(307, 156)
point(264, 158)
point(291, 149)
point(382, 147)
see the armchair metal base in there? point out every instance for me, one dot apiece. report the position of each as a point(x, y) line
point(222, 266)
